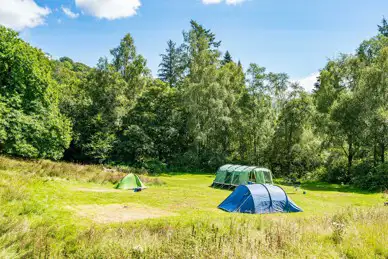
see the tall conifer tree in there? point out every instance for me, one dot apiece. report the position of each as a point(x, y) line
point(227, 58)
point(170, 69)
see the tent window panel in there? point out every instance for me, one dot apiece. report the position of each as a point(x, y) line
point(232, 178)
point(243, 178)
point(259, 177)
point(228, 177)
point(268, 178)
point(252, 177)
point(238, 178)
point(220, 177)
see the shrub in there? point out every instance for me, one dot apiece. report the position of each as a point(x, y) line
point(319, 174)
point(337, 170)
point(371, 178)
point(154, 166)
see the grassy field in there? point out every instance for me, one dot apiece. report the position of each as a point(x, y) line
point(64, 210)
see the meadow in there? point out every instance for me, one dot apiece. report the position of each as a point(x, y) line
point(50, 209)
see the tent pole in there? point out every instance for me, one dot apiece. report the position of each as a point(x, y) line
point(243, 202)
point(269, 195)
point(285, 194)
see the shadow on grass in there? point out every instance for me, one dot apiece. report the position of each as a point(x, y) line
point(329, 187)
point(183, 173)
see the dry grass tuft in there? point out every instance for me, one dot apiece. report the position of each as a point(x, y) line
point(49, 170)
point(151, 181)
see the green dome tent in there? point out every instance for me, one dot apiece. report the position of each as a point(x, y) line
point(234, 175)
point(130, 182)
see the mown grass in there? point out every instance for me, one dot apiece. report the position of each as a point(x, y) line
point(35, 219)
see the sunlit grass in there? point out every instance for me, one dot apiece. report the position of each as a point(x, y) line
point(36, 219)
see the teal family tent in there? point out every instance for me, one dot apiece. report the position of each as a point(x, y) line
point(232, 176)
point(259, 199)
point(130, 182)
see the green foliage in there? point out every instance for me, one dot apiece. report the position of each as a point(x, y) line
point(171, 68)
point(371, 178)
point(204, 110)
point(351, 99)
point(30, 122)
point(154, 126)
point(383, 28)
point(293, 136)
point(198, 31)
point(336, 167)
point(154, 166)
point(101, 112)
point(129, 64)
point(227, 58)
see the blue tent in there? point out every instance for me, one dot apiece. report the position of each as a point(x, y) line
point(259, 199)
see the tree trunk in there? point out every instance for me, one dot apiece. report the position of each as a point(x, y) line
point(242, 145)
point(382, 150)
point(289, 150)
point(225, 142)
point(255, 147)
point(350, 162)
point(375, 154)
point(350, 156)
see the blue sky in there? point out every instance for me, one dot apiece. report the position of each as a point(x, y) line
point(292, 36)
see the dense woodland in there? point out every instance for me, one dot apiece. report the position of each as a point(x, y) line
point(204, 110)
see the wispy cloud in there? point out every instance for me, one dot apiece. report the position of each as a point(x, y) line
point(234, 2)
point(69, 13)
point(211, 1)
point(228, 2)
point(21, 14)
point(111, 10)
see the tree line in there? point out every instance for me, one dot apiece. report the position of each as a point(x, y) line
point(203, 110)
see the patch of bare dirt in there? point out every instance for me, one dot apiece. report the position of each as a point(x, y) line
point(116, 213)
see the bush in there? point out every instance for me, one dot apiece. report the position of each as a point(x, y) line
point(371, 178)
point(337, 170)
point(154, 166)
point(319, 174)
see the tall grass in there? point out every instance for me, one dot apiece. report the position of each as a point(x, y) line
point(247, 237)
point(68, 171)
point(31, 228)
point(364, 235)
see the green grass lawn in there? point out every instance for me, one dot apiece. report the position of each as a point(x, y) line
point(50, 209)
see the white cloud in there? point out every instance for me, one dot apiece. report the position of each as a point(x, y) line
point(228, 2)
point(21, 14)
point(211, 1)
point(69, 13)
point(234, 2)
point(109, 9)
point(308, 82)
